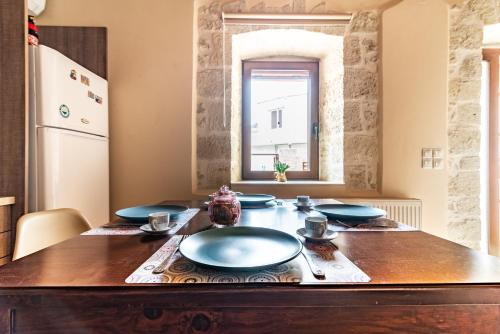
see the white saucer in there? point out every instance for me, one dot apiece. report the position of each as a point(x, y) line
point(303, 205)
point(328, 236)
point(147, 228)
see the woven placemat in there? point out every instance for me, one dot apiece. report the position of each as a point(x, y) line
point(116, 229)
point(337, 267)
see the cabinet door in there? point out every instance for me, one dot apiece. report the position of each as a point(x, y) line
point(5, 218)
point(5, 233)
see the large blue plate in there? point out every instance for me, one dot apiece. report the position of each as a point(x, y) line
point(349, 211)
point(254, 199)
point(140, 214)
point(240, 248)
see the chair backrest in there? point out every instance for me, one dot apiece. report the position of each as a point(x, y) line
point(39, 230)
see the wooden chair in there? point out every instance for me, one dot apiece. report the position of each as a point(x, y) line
point(39, 230)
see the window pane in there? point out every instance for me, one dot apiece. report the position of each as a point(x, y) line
point(280, 119)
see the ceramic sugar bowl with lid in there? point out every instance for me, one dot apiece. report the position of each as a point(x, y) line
point(224, 209)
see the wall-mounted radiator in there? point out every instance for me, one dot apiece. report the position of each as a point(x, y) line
point(406, 211)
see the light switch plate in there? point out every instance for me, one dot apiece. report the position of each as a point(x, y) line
point(432, 158)
point(437, 152)
point(426, 153)
point(438, 163)
point(427, 163)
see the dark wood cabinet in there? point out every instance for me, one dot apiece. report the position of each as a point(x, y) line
point(13, 93)
point(6, 228)
point(85, 45)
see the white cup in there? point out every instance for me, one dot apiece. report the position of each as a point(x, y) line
point(316, 226)
point(303, 199)
point(159, 221)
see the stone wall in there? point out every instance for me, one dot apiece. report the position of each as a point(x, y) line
point(464, 115)
point(361, 142)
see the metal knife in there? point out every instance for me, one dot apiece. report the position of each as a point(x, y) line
point(163, 265)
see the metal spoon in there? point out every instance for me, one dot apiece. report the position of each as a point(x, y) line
point(315, 269)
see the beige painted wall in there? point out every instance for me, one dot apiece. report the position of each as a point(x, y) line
point(414, 69)
point(149, 64)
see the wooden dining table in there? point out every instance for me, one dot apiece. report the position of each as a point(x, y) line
point(419, 284)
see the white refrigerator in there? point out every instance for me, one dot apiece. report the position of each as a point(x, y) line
point(68, 136)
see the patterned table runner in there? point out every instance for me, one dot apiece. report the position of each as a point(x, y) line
point(337, 267)
point(182, 219)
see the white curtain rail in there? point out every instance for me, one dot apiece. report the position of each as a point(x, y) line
point(311, 19)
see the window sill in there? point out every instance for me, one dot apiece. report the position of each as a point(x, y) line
point(288, 183)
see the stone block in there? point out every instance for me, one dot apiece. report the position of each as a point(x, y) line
point(466, 206)
point(209, 17)
point(333, 30)
point(201, 173)
point(219, 173)
point(369, 44)
point(466, 37)
point(464, 183)
point(315, 6)
point(471, 163)
point(214, 147)
point(452, 57)
point(231, 6)
point(360, 149)
point(210, 116)
point(466, 113)
point(372, 177)
point(370, 115)
point(466, 231)
point(212, 174)
point(471, 67)
point(464, 90)
point(269, 6)
point(299, 6)
point(366, 21)
point(352, 51)
point(352, 116)
point(360, 82)
point(487, 10)
point(464, 141)
point(210, 49)
point(371, 61)
point(210, 83)
point(355, 177)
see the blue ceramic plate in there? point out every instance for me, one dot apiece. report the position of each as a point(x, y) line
point(140, 214)
point(254, 199)
point(240, 248)
point(349, 211)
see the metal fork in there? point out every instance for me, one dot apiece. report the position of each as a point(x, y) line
point(163, 265)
